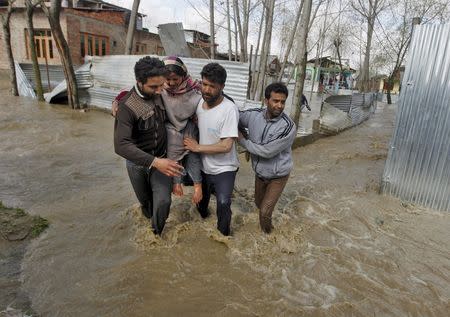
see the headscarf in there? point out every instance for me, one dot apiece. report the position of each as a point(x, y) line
point(187, 84)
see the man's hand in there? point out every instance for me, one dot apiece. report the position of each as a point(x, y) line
point(114, 108)
point(177, 190)
point(191, 145)
point(167, 167)
point(241, 136)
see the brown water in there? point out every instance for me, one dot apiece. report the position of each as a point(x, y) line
point(339, 248)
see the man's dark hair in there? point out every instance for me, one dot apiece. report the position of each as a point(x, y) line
point(214, 72)
point(148, 67)
point(276, 88)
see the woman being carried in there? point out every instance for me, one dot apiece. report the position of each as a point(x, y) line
point(181, 96)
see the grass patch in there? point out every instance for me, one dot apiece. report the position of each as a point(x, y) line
point(17, 224)
point(39, 226)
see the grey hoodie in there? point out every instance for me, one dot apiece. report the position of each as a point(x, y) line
point(269, 142)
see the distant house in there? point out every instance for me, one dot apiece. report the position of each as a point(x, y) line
point(273, 64)
point(328, 74)
point(380, 82)
point(91, 27)
point(199, 43)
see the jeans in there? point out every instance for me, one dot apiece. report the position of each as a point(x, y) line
point(192, 165)
point(222, 186)
point(153, 190)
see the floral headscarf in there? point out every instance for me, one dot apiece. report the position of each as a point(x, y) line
point(187, 84)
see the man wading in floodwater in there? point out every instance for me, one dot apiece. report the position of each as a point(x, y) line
point(140, 137)
point(269, 140)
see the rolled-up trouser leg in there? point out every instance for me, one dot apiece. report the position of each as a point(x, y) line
point(224, 184)
point(140, 180)
point(161, 186)
point(193, 166)
point(274, 188)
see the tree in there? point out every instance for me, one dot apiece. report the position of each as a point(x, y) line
point(405, 14)
point(53, 14)
point(255, 79)
point(291, 41)
point(229, 31)
point(243, 24)
point(30, 29)
point(131, 28)
point(270, 4)
point(369, 10)
point(6, 17)
point(211, 28)
point(301, 59)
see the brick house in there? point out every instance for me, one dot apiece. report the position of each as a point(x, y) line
point(91, 27)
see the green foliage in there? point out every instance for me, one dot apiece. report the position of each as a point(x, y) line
point(39, 226)
point(16, 222)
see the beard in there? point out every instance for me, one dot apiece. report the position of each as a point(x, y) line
point(211, 100)
point(144, 94)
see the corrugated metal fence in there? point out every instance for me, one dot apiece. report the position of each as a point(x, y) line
point(340, 112)
point(54, 73)
point(23, 85)
point(112, 73)
point(418, 164)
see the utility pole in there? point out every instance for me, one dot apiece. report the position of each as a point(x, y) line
point(131, 28)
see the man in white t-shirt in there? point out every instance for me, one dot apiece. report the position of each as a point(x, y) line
point(218, 119)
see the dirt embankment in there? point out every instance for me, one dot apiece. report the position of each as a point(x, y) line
point(17, 229)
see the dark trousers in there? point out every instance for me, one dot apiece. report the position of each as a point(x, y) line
point(267, 193)
point(153, 190)
point(222, 186)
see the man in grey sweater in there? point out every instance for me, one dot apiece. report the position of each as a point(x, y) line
point(268, 135)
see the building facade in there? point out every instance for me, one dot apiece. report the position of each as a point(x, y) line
point(93, 28)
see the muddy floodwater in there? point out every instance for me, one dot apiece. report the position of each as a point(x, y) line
point(338, 248)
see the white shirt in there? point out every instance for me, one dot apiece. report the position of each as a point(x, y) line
point(214, 124)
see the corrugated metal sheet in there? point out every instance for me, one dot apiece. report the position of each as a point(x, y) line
point(115, 72)
point(173, 39)
point(55, 73)
point(340, 112)
point(418, 164)
point(84, 81)
point(23, 85)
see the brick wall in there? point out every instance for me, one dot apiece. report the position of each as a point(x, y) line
point(18, 27)
point(152, 41)
point(95, 23)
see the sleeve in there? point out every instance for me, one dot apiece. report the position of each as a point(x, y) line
point(122, 94)
point(244, 119)
point(124, 144)
point(230, 124)
point(282, 141)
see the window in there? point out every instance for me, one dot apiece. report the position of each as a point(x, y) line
point(43, 42)
point(94, 45)
point(141, 48)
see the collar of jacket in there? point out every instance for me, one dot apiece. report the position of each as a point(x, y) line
point(273, 119)
point(143, 108)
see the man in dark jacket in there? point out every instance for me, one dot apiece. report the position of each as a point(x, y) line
point(269, 137)
point(140, 137)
